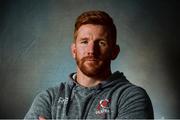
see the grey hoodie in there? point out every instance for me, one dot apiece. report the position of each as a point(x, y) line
point(115, 98)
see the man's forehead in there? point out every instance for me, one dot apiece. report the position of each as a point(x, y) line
point(92, 30)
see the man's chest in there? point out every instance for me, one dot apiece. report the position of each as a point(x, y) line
point(99, 106)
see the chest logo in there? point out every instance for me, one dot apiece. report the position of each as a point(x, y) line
point(103, 107)
point(63, 100)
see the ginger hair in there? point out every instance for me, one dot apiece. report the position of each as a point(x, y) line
point(97, 18)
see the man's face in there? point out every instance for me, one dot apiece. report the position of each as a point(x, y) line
point(92, 49)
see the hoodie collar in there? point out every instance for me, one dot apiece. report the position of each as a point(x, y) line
point(116, 76)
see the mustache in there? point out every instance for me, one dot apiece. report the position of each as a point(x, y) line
point(90, 58)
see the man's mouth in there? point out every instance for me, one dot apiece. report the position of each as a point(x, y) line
point(89, 58)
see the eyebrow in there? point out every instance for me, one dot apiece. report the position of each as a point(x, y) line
point(100, 38)
point(83, 38)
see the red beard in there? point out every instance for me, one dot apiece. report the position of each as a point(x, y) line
point(92, 66)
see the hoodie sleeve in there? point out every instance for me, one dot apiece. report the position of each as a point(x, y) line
point(135, 104)
point(41, 106)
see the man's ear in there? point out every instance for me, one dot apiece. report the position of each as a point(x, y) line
point(115, 52)
point(73, 50)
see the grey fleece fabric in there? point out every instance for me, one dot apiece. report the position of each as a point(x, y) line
point(115, 98)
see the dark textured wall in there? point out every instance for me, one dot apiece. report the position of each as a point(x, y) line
point(35, 36)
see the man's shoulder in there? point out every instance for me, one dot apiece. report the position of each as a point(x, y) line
point(126, 84)
point(134, 89)
point(54, 91)
point(134, 92)
point(127, 88)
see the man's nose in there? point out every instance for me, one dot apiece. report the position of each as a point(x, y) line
point(92, 48)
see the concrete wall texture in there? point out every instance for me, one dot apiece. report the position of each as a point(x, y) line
point(35, 39)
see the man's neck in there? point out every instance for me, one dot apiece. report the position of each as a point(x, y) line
point(88, 81)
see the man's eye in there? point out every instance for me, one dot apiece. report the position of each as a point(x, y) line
point(102, 43)
point(84, 42)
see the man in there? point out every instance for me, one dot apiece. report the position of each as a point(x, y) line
point(93, 92)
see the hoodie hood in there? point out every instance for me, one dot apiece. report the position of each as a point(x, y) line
point(116, 77)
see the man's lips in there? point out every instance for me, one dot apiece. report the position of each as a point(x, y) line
point(91, 59)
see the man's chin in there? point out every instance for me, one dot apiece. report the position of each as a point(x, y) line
point(91, 71)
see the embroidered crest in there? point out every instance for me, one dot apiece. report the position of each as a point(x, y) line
point(103, 107)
